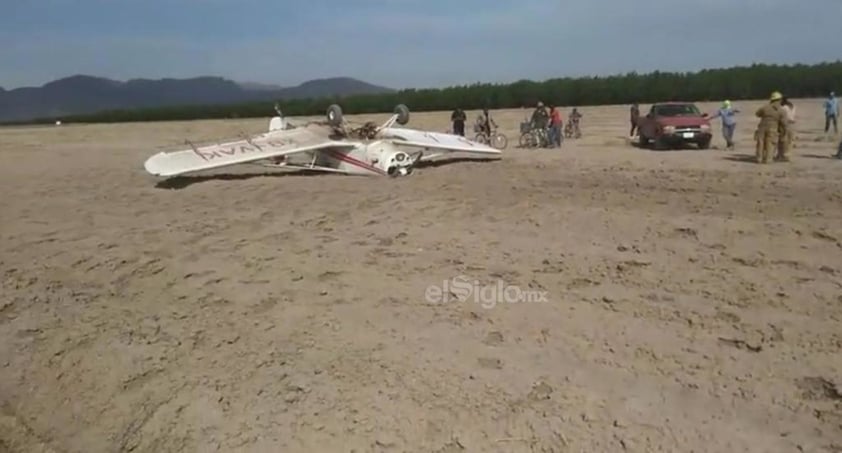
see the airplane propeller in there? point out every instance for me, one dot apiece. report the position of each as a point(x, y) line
point(415, 159)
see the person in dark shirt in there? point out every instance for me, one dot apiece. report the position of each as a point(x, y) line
point(540, 117)
point(458, 119)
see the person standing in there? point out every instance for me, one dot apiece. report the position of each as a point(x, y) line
point(540, 120)
point(787, 136)
point(555, 127)
point(635, 117)
point(540, 117)
point(458, 119)
point(831, 113)
point(772, 122)
point(486, 123)
point(729, 122)
point(575, 119)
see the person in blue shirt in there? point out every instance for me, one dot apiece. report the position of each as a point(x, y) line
point(831, 113)
point(729, 122)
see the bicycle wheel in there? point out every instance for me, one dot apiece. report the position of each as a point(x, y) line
point(500, 141)
point(480, 138)
point(526, 140)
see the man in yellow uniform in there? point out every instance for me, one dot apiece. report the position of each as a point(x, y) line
point(772, 123)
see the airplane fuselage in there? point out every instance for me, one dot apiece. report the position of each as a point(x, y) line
point(365, 158)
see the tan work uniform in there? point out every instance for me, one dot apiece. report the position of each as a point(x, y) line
point(772, 124)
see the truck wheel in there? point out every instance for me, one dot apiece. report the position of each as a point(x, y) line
point(660, 144)
point(704, 144)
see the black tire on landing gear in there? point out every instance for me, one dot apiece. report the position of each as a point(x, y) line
point(334, 115)
point(403, 114)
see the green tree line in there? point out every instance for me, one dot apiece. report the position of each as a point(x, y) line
point(746, 82)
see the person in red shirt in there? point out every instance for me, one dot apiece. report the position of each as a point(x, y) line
point(555, 127)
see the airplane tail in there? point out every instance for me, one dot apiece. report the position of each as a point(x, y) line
point(277, 123)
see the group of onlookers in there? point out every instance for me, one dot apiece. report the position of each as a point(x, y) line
point(776, 129)
point(542, 119)
point(551, 121)
point(483, 124)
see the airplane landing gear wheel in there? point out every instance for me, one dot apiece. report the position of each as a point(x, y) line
point(334, 115)
point(403, 114)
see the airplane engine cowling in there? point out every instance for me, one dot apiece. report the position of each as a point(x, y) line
point(395, 162)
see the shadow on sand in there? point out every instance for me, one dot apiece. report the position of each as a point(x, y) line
point(673, 148)
point(181, 182)
point(820, 156)
point(454, 160)
point(744, 158)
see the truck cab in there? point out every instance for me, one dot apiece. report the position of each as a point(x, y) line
point(669, 124)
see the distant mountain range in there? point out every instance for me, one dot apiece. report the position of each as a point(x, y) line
point(82, 94)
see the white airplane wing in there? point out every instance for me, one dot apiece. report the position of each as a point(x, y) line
point(273, 144)
point(436, 140)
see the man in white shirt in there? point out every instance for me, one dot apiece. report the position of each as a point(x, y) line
point(787, 137)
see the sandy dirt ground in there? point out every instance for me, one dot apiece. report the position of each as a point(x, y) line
point(692, 299)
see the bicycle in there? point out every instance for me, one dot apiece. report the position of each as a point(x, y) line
point(534, 138)
point(498, 139)
point(572, 130)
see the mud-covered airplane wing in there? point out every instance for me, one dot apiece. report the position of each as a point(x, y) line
point(444, 143)
point(273, 144)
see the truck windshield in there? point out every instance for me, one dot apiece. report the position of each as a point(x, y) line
point(676, 110)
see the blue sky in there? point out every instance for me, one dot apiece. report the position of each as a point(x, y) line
point(404, 43)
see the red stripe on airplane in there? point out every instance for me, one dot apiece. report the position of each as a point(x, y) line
point(357, 163)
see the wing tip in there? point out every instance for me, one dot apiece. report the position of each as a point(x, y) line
point(152, 167)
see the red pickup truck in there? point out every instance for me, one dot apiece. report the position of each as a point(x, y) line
point(669, 124)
